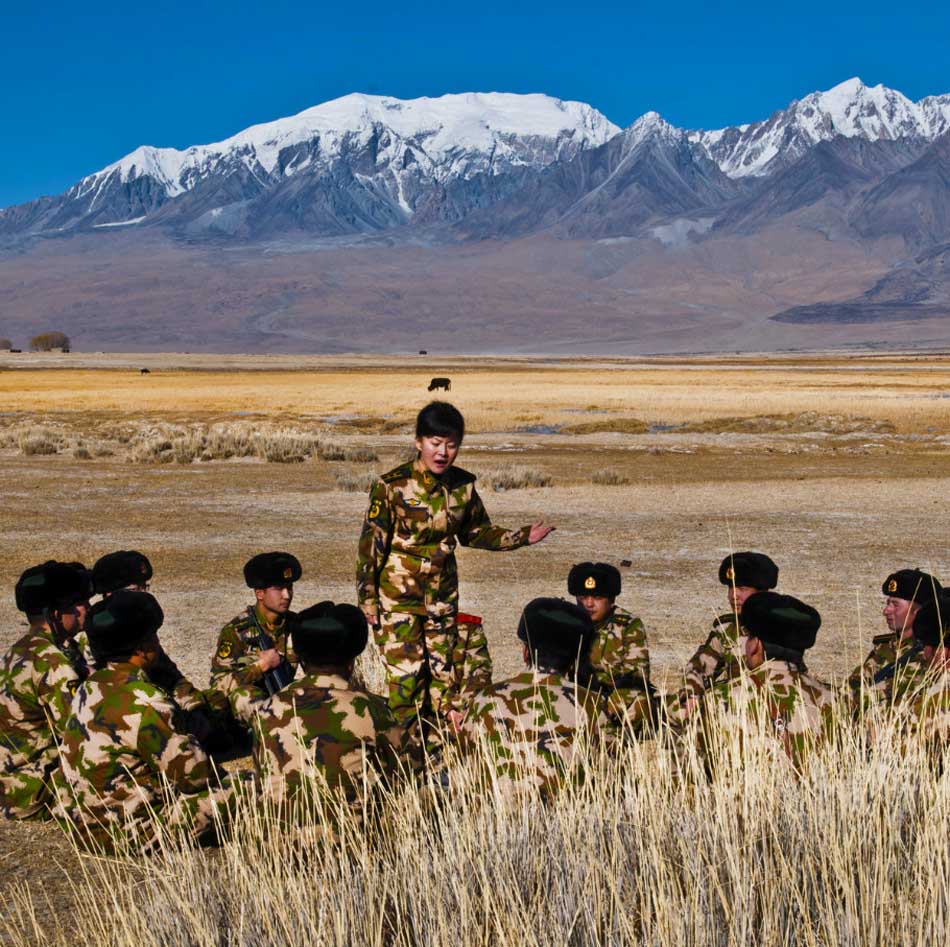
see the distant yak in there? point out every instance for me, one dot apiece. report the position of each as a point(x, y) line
point(144, 371)
point(440, 383)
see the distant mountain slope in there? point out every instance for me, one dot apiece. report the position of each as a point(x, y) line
point(354, 164)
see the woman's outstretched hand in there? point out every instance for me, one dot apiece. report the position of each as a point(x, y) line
point(537, 532)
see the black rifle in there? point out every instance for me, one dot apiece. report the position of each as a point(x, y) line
point(276, 678)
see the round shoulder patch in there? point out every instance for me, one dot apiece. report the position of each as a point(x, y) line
point(225, 649)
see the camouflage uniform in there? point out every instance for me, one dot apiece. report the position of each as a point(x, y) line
point(798, 708)
point(720, 656)
point(530, 724)
point(38, 677)
point(620, 662)
point(234, 669)
point(123, 745)
point(886, 650)
point(322, 726)
point(472, 660)
point(406, 569)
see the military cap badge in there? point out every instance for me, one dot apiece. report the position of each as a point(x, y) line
point(288, 573)
point(590, 582)
point(892, 586)
point(730, 573)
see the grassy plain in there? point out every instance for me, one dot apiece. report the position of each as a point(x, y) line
point(838, 467)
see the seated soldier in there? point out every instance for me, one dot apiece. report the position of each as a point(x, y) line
point(894, 663)
point(930, 705)
point(471, 660)
point(529, 724)
point(208, 712)
point(743, 574)
point(254, 659)
point(619, 659)
point(321, 730)
point(774, 689)
point(38, 677)
point(127, 766)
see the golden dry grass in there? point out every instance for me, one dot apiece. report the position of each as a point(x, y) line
point(794, 457)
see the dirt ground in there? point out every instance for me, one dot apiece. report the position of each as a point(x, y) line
point(839, 470)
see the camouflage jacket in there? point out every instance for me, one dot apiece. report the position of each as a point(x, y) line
point(38, 677)
point(234, 663)
point(322, 726)
point(406, 560)
point(122, 742)
point(719, 657)
point(798, 708)
point(930, 709)
point(535, 726)
point(885, 650)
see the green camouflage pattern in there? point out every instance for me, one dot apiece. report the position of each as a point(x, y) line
point(620, 664)
point(533, 726)
point(127, 760)
point(861, 691)
point(719, 657)
point(930, 709)
point(234, 669)
point(321, 732)
point(406, 570)
point(38, 677)
point(787, 701)
point(471, 660)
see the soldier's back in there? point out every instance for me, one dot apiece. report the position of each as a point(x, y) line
point(535, 726)
point(321, 728)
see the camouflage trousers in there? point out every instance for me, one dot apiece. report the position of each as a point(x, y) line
point(25, 791)
point(419, 653)
point(195, 816)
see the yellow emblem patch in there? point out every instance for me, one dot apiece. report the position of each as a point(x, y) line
point(374, 510)
point(730, 573)
point(590, 582)
point(892, 586)
point(225, 650)
point(288, 573)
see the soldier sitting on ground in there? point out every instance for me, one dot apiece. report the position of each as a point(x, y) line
point(619, 659)
point(128, 765)
point(894, 662)
point(529, 724)
point(719, 656)
point(254, 658)
point(208, 712)
point(472, 660)
point(38, 677)
point(774, 689)
point(322, 731)
point(930, 705)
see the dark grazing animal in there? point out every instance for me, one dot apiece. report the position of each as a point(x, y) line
point(436, 383)
point(145, 371)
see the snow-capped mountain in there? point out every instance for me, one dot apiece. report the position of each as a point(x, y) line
point(850, 110)
point(389, 154)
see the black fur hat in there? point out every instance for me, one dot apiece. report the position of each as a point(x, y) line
point(560, 632)
point(51, 585)
point(751, 569)
point(912, 585)
point(781, 620)
point(932, 624)
point(594, 578)
point(121, 622)
point(328, 633)
point(272, 568)
point(118, 570)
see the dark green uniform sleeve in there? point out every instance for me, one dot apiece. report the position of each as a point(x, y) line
point(477, 530)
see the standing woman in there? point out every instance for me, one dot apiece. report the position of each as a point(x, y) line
point(406, 575)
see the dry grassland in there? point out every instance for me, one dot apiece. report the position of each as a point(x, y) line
point(836, 467)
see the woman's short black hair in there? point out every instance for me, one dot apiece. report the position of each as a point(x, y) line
point(440, 419)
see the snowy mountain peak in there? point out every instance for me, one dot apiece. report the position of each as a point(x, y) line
point(439, 132)
point(851, 109)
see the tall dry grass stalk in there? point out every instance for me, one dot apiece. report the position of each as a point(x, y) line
point(658, 845)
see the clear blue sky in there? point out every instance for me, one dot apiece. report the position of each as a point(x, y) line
point(82, 85)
